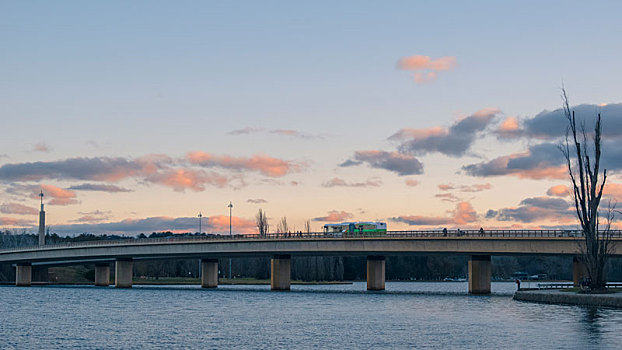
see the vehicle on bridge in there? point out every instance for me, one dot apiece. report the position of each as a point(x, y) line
point(352, 228)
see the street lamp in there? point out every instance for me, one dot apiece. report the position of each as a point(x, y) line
point(230, 208)
point(200, 220)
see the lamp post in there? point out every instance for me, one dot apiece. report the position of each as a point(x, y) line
point(230, 208)
point(200, 220)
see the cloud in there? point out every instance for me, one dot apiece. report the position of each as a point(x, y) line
point(454, 141)
point(541, 161)
point(334, 216)
point(463, 214)
point(12, 222)
point(402, 164)
point(99, 169)
point(559, 191)
point(535, 209)
point(256, 201)
point(411, 182)
point(337, 182)
point(157, 224)
point(281, 132)
point(465, 188)
point(59, 196)
point(550, 125)
point(425, 68)
point(447, 197)
point(509, 128)
point(245, 131)
point(99, 188)
point(266, 165)
point(19, 209)
point(181, 179)
point(41, 147)
point(613, 191)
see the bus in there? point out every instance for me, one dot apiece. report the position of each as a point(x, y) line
point(360, 227)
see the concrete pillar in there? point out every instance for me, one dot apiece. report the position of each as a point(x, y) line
point(23, 274)
point(375, 272)
point(102, 275)
point(579, 271)
point(209, 273)
point(480, 270)
point(123, 273)
point(280, 272)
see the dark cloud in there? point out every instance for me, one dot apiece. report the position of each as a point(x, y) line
point(99, 188)
point(101, 169)
point(535, 209)
point(402, 164)
point(541, 161)
point(553, 124)
point(156, 224)
point(256, 201)
point(454, 141)
point(337, 182)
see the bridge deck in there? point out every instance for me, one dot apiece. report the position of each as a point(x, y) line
point(473, 242)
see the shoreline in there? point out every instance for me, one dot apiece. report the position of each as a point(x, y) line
point(569, 298)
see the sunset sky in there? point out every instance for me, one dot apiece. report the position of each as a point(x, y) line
point(136, 116)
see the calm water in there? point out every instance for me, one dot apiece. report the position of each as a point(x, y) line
point(406, 315)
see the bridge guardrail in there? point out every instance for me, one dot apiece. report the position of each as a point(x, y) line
point(315, 235)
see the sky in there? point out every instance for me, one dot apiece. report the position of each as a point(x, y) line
point(135, 116)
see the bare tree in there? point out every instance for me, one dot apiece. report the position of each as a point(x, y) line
point(282, 226)
point(262, 222)
point(587, 188)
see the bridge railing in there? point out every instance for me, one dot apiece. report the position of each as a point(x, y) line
point(322, 235)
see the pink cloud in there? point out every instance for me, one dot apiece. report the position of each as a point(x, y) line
point(16, 208)
point(463, 214)
point(181, 179)
point(613, 190)
point(221, 223)
point(426, 68)
point(337, 182)
point(509, 128)
point(559, 191)
point(411, 182)
point(266, 165)
point(60, 196)
point(334, 216)
point(41, 147)
point(5, 221)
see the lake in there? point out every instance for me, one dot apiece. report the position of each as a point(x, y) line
point(406, 315)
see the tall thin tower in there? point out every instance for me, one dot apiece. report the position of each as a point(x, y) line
point(41, 222)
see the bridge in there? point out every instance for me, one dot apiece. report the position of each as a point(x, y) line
point(281, 248)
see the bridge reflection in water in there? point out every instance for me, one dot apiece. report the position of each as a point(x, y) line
point(480, 245)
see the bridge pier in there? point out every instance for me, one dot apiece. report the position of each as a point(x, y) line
point(480, 270)
point(102, 275)
point(123, 273)
point(280, 272)
point(375, 272)
point(23, 274)
point(579, 271)
point(209, 273)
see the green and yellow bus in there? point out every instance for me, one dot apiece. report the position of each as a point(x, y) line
point(360, 227)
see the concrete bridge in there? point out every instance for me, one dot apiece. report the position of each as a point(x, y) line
point(281, 248)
